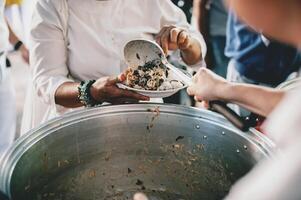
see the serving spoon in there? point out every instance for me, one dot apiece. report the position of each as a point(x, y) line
point(138, 52)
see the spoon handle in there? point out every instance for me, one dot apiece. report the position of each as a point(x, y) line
point(218, 106)
point(184, 78)
point(238, 121)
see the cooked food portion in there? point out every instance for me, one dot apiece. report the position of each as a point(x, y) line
point(172, 84)
point(152, 76)
point(148, 77)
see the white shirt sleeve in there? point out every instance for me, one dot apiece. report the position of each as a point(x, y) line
point(48, 54)
point(172, 15)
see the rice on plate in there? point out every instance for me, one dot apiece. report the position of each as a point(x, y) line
point(152, 76)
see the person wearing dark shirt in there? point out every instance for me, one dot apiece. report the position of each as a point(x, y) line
point(3, 197)
point(217, 34)
point(255, 59)
point(211, 18)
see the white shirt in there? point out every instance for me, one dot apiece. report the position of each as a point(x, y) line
point(278, 178)
point(84, 40)
point(7, 98)
point(27, 7)
point(3, 39)
point(3, 28)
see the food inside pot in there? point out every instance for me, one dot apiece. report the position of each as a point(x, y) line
point(108, 153)
point(152, 76)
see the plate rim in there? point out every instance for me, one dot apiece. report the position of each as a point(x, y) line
point(151, 91)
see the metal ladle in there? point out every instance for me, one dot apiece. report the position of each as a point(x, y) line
point(138, 52)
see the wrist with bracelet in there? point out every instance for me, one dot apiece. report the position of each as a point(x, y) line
point(85, 96)
point(18, 45)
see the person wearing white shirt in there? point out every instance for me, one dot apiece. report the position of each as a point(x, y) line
point(277, 178)
point(27, 7)
point(76, 40)
point(7, 95)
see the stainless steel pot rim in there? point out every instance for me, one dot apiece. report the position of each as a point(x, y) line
point(14, 153)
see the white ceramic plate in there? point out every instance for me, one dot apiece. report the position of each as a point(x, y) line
point(156, 94)
point(151, 93)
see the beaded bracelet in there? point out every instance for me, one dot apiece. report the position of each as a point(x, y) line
point(85, 94)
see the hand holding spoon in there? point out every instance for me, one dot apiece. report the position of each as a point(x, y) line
point(139, 52)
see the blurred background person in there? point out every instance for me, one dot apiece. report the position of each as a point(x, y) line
point(256, 59)
point(18, 14)
point(7, 103)
point(26, 11)
point(211, 19)
point(7, 90)
point(18, 45)
point(15, 27)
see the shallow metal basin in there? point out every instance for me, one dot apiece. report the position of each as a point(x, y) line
point(165, 151)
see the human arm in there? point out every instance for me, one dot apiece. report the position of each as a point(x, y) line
point(200, 13)
point(176, 33)
point(173, 38)
point(103, 90)
point(209, 86)
point(13, 39)
point(258, 99)
point(51, 75)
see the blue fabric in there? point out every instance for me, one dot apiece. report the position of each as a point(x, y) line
point(266, 64)
point(218, 16)
point(219, 60)
point(2, 197)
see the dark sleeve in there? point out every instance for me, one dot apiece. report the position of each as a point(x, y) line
point(270, 64)
point(2, 196)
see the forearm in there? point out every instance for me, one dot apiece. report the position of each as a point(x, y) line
point(200, 15)
point(197, 12)
point(193, 54)
point(260, 100)
point(13, 39)
point(67, 95)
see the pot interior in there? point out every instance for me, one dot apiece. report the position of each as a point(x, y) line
point(166, 155)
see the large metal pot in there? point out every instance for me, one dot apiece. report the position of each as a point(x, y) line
point(165, 151)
